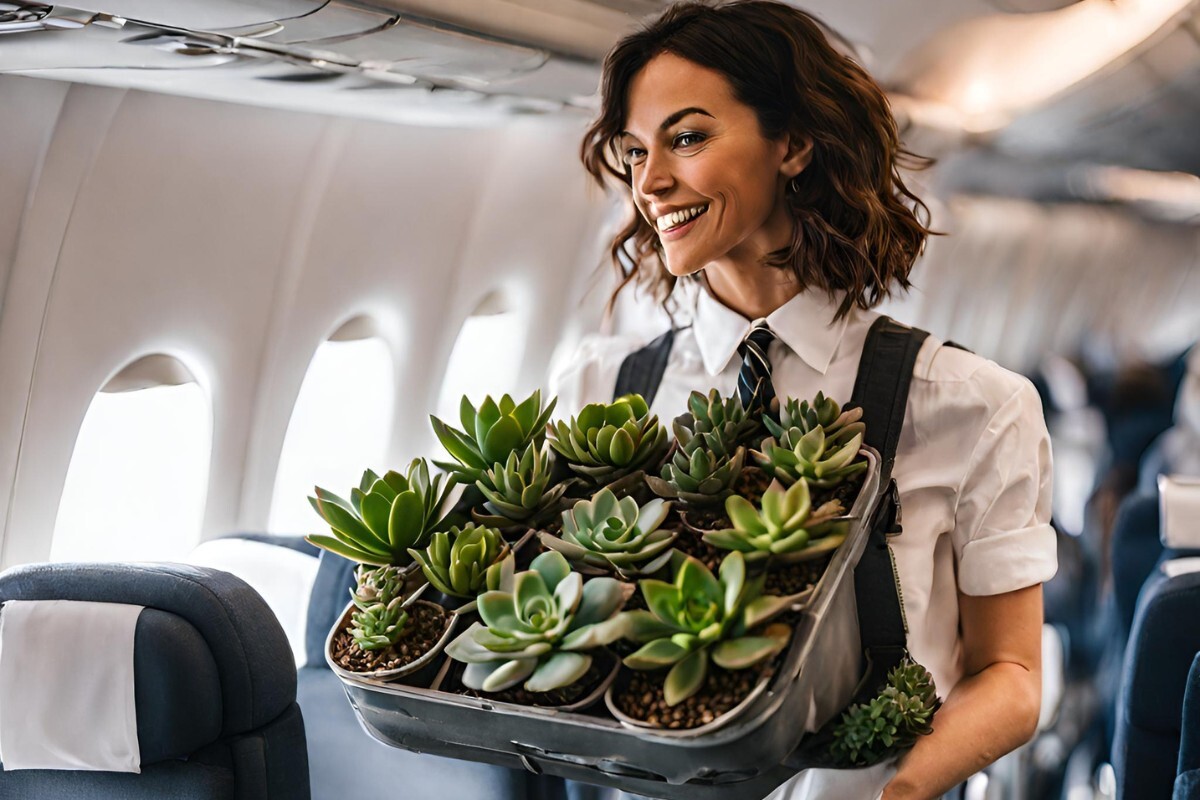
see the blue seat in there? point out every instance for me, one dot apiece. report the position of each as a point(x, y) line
point(214, 686)
point(1187, 779)
point(1136, 548)
point(1162, 646)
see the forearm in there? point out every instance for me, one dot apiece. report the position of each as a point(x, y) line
point(985, 716)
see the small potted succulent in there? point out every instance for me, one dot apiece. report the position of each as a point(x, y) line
point(611, 442)
point(605, 534)
point(520, 492)
point(541, 640)
point(891, 721)
point(456, 562)
point(384, 632)
point(817, 442)
point(490, 434)
point(697, 619)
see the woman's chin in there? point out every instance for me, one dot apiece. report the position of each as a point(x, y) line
point(681, 266)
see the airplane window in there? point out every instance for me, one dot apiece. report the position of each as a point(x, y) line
point(485, 360)
point(341, 423)
point(137, 481)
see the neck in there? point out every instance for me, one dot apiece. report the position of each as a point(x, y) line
point(755, 292)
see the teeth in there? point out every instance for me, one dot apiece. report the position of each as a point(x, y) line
point(677, 218)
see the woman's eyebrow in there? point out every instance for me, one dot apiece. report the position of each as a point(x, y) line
point(673, 118)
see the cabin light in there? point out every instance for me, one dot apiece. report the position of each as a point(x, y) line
point(995, 67)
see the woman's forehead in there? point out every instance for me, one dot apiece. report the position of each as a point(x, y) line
point(669, 84)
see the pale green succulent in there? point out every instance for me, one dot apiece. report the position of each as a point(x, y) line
point(457, 559)
point(723, 417)
point(380, 617)
point(519, 490)
point(491, 433)
point(699, 477)
point(538, 628)
point(822, 462)
point(786, 525)
point(608, 441)
point(385, 516)
point(615, 535)
point(840, 426)
point(701, 617)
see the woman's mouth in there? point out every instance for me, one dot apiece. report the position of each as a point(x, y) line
point(679, 223)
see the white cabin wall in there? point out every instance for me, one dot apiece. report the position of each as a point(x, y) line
point(238, 239)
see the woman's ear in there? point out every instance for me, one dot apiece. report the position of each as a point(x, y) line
point(799, 155)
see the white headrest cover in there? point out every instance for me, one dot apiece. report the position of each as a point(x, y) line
point(66, 686)
point(1180, 503)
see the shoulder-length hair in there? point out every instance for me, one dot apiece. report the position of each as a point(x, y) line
point(858, 228)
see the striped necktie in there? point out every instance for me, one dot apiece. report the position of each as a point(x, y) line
point(754, 380)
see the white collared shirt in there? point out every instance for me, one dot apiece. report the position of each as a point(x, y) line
point(973, 464)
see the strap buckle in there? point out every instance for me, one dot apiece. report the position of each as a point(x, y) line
point(894, 528)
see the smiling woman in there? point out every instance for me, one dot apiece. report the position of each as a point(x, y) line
point(765, 167)
point(743, 134)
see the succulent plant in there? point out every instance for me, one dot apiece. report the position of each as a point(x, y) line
point(889, 722)
point(456, 560)
point(822, 462)
point(840, 426)
point(608, 441)
point(538, 628)
point(491, 433)
point(787, 524)
point(698, 477)
point(380, 617)
point(699, 617)
point(385, 516)
point(615, 534)
point(519, 490)
point(723, 417)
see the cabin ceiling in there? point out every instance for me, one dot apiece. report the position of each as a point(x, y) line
point(1040, 82)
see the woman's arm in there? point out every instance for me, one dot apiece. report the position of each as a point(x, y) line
point(994, 708)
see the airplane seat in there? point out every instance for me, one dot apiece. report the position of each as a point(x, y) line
point(340, 752)
point(1160, 652)
point(1136, 549)
point(1187, 778)
point(1153, 464)
point(183, 668)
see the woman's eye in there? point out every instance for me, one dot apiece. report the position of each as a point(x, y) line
point(633, 155)
point(688, 139)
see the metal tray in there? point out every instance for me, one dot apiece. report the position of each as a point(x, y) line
point(813, 682)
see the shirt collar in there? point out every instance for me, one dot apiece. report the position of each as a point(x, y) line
point(805, 324)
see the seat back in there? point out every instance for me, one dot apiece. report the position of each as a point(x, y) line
point(1136, 548)
point(1161, 649)
point(214, 685)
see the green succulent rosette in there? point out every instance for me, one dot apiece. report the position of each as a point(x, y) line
point(491, 433)
point(615, 535)
point(456, 560)
point(384, 516)
point(700, 617)
point(699, 477)
point(891, 721)
point(608, 441)
point(379, 617)
point(717, 418)
point(817, 442)
point(519, 491)
point(538, 628)
point(785, 525)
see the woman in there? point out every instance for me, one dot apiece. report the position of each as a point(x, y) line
point(762, 166)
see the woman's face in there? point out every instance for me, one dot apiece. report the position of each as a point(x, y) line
point(703, 174)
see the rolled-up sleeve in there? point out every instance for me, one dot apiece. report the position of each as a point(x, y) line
point(1003, 539)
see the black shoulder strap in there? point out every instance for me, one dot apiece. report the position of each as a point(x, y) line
point(642, 370)
point(881, 390)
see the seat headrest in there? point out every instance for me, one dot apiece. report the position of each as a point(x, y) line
point(253, 660)
point(1180, 499)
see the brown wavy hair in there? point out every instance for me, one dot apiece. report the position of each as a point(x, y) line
point(858, 228)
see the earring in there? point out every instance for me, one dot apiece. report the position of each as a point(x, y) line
point(793, 186)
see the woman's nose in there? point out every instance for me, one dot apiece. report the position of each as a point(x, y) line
point(655, 178)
